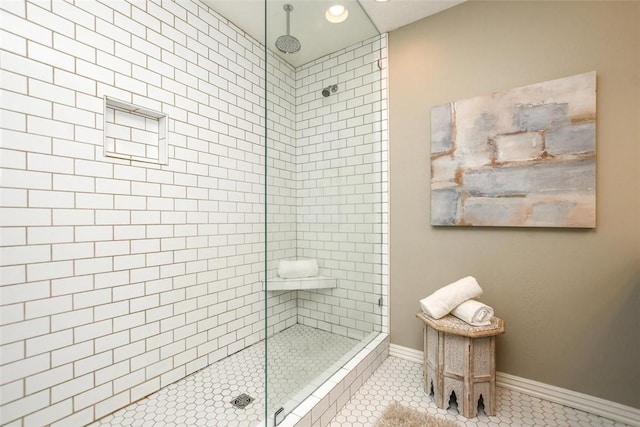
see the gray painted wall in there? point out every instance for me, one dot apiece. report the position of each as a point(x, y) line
point(570, 298)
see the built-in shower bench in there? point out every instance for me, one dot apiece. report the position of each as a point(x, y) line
point(305, 283)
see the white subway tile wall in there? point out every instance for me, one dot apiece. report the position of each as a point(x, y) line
point(119, 277)
point(341, 168)
point(282, 309)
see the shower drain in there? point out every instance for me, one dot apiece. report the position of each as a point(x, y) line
point(242, 401)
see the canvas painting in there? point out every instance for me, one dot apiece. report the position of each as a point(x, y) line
point(524, 157)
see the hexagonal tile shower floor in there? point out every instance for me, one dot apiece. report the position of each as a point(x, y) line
point(297, 355)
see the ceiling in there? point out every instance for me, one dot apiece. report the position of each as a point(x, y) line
point(317, 36)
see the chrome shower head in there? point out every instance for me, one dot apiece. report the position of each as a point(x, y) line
point(288, 44)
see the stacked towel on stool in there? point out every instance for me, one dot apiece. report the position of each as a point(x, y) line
point(297, 269)
point(474, 313)
point(457, 298)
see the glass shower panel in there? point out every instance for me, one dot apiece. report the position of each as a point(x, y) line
point(324, 193)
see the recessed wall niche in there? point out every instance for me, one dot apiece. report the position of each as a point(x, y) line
point(134, 133)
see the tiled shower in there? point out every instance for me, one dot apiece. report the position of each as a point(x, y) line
point(123, 275)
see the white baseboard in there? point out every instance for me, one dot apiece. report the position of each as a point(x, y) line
point(573, 399)
point(406, 353)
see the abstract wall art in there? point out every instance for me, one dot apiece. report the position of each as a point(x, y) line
point(523, 157)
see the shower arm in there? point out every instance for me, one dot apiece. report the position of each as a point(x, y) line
point(288, 9)
point(288, 23)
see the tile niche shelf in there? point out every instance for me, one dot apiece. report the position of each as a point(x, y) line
point(132, 132)
point(316, 282)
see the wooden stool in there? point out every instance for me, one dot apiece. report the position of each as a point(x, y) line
point(460, 358)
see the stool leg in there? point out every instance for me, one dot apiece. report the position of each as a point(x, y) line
point(490, 407)
point(439, 385)
point(468, 409)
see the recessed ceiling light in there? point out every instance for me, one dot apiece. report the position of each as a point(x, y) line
point(382, 1)
point(336, 14)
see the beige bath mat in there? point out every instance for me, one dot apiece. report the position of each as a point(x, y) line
point(396, 415)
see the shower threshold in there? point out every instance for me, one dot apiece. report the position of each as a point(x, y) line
point(300, 359)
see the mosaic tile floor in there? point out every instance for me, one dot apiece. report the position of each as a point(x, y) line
point(297, 356)
point(401, 380)
point(204, 398)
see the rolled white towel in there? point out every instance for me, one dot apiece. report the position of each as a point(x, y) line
point(297, 269)
point(474, 313)
point(441, 302)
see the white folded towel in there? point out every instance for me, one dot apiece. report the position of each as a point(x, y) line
point(474, 313)
point(441, 302)
point(297, 269)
